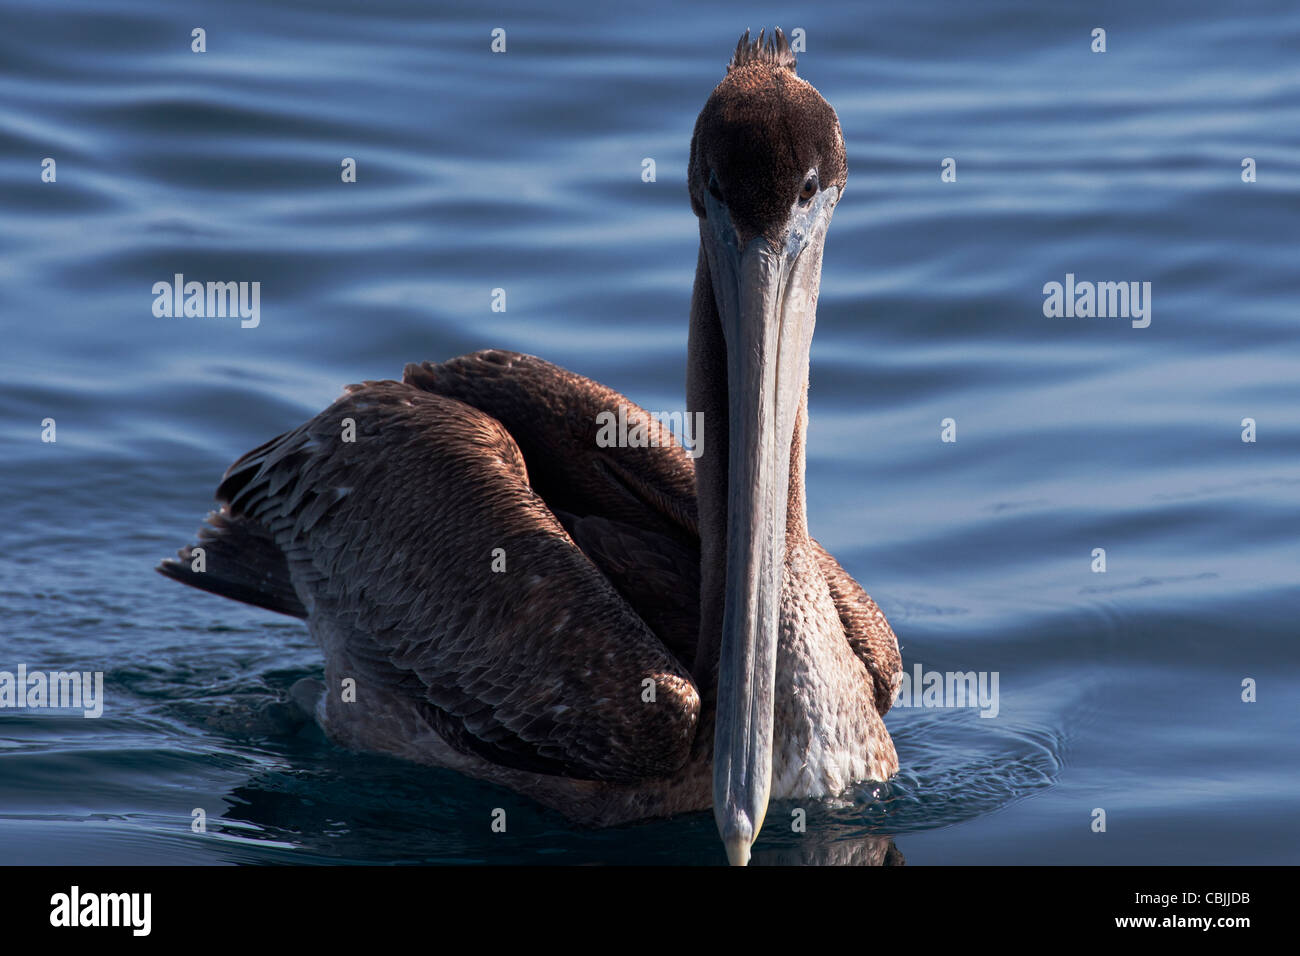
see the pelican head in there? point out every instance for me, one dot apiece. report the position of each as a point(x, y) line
point(767, 167)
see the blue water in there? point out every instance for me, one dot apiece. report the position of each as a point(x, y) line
point(1120, 691)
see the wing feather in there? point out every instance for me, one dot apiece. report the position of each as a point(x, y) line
point(543, 664)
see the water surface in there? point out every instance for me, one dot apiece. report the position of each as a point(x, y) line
point(1120, 691)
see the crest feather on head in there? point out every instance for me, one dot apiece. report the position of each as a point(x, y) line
point(771, 50)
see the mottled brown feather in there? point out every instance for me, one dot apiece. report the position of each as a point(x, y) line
point(546, 659)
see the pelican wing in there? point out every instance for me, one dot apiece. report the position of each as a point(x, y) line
point(568, 428)
point(617, 478)
point(407, 520)
point(631, 509)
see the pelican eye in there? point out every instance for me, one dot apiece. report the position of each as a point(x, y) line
point(714, 189)
point(810, 187)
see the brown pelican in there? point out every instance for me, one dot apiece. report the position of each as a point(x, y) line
point(617, 632)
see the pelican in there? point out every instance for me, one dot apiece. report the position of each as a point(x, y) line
point(616, 632)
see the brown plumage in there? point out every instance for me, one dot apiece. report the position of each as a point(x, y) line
point(520, 603)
